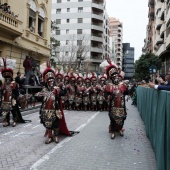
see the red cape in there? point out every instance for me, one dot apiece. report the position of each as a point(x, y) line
point(62, 123)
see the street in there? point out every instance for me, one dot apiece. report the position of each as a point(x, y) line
point(22, 147)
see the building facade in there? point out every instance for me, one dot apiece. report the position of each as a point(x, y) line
point(116, 31)
point(128, 61)
point(157, 38)
point(25, 30)
point(83, 29)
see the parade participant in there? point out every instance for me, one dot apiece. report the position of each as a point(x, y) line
point(86, 91)
point(93, 91)
point(51, 112)
point(71, 89)
point(117, 92)
point(64, 98)
point(10, 98)
point(102, 104)
point(79, 91)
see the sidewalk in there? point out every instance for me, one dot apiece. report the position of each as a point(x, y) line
point(92, 148)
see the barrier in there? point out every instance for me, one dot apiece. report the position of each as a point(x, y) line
point(154, 108)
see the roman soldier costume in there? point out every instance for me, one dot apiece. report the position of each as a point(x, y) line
point(86, 91)
point(71, 89)
point(79, 91)
point(51, 113)
point(102, 104)
point(117, 92)
point(93, 91)
point(10, 98)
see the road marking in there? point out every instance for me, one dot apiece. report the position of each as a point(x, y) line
point(9, 132)
point(18, 134)
point(27, 125)
point(60, 145)
point(35, 127)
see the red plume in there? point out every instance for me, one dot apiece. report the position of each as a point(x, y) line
point(4, 60)
point(108, 60)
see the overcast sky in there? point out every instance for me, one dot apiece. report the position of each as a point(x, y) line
point(134, 16)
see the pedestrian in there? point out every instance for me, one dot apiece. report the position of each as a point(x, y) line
point(51, 112)
point(116, 90)
point(27, 66)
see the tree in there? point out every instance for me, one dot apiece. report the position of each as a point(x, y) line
point(143, 63)
point(53, 44)
point(74, 51)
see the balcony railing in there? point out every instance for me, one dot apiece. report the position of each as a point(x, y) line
point(10, 22)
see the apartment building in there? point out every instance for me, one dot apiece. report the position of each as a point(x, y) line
point(25, 30)
point(128, 61)
point(157, 38)
point(83, 29)
point(116, 31)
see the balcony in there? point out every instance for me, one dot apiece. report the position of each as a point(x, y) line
point(9, 25)
point(158, 23)
point(97, 15)
point(151, 2)
point(151, 13)
point(161, 49)
point(96, 49)
point(168, 41)
point(158, 40)
point(98, 4)
point(162, 30)
point(96, 26)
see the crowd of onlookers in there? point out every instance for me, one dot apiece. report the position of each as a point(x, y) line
point(6, 8)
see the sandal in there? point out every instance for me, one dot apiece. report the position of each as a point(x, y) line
point(49, 140)
point(6, 124)
point(14, 124)
point(56, 139)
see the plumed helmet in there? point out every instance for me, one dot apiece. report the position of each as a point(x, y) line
point(48, 73)
point(93, 76)
point(7, 72)
point(59, 73)
point(102, 77)
point(109, 67)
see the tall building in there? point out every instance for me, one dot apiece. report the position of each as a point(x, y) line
point(116, 31)
point(128, 61)
point(83, 28)
point(25, 30)
point(157, 38)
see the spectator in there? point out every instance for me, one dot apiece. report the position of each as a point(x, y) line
point(20, 80)
point(28, 66)
point(1, 96)
point(161, 87)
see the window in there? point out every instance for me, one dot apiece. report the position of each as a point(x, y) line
point(68, 0)
point(68, 20)
point(80, 9)
point(80, 20)
point(57, 32)
point(58, 1)
point(66, 53)
point(79, 42)
point(68, 9)
point(41, 23)
point(67, 41)
point(67, 31)
point(58, 21)
point(58, 11)
point(79, 31)
point(80, 0)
